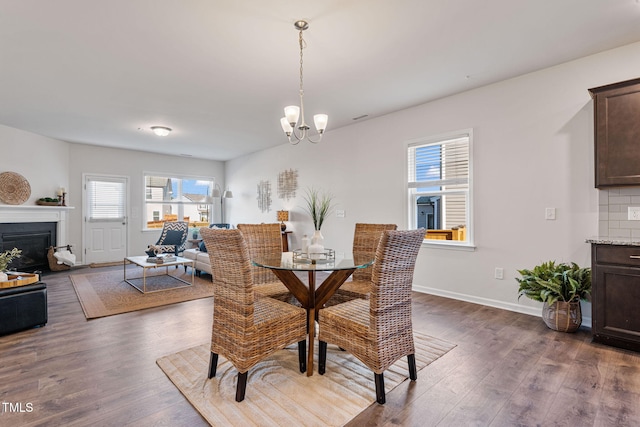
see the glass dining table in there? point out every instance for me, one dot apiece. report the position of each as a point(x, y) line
point(311, 298)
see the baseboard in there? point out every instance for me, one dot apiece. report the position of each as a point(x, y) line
point(532, 311)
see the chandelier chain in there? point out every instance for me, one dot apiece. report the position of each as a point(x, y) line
point(302, 44)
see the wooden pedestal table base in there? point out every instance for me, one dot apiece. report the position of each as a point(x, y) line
point(310, 297)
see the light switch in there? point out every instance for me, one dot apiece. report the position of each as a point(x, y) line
point(550, 213)
point(633, 213)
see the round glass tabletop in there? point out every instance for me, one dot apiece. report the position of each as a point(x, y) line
point(287, 262)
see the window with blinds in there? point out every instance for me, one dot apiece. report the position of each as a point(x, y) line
point(106, 200)
point(439, 185)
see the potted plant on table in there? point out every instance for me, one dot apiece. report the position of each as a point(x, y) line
point(5, 259)
point(560, 287)
point(319, 206)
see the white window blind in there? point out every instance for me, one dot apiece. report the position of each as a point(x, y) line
point(443, 165)
point(105, 200)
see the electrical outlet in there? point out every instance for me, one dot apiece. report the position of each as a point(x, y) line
point(633, 213)
point(340, 213)
point(550, 213)
point(499, 273)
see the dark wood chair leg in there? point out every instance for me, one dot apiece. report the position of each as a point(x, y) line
point(380, 396)
point(241, 387)
point(413, 372)
point(302, 355)
point(213, 365)
point(322, 357)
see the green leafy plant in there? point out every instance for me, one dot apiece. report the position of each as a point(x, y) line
point(550, 282)
point(319, 206)
point(7, 256)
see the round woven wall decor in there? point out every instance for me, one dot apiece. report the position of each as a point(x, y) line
point(14, 188)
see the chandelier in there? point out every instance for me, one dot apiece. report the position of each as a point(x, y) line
point(292, 113)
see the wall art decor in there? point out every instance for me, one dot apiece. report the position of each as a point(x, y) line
point(14, 188)
point(287, 184)
point(264, 196)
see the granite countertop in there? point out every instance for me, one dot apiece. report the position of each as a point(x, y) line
point(625, 241)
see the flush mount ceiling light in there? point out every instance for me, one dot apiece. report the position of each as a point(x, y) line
point(293, 112)
point(161, 130)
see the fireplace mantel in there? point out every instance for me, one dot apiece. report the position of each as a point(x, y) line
point(35, 213)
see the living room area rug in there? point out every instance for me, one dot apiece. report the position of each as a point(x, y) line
point(105, 293)
point(278, 394)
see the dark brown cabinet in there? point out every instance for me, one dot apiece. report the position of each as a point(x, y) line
point(616, 295)
point(617, 133)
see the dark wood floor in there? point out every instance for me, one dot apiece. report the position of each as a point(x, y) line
point(508, 369)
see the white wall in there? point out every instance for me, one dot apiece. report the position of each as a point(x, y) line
point(533, 149)
point(43, 161)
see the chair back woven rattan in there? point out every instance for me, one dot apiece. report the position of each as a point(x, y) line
point(365, 243)
point(265, 241)
point(247, 327)
point(378, 331)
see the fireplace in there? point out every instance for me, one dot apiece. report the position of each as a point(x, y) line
point(33, 229)
point(33, 239)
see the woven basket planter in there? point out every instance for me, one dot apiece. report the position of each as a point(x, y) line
point(562, 316)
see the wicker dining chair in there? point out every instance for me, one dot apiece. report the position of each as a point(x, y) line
point(378, 331)
point(265, 240)
point(247, 327)
point(365, 243)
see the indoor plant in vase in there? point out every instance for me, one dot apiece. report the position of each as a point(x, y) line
point(560, 287)
point(5, 259)
point(319, 207)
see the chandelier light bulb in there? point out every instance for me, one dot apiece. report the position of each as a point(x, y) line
point(292, 113)
point(286, 126)
point(320, 120)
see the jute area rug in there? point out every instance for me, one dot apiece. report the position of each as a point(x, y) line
point(278, 394)
point(105, 293)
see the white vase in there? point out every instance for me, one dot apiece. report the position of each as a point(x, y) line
point(318, 238)
point(316, 248)
point(3, 276)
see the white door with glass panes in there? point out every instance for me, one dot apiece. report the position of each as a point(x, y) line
point(105, 219)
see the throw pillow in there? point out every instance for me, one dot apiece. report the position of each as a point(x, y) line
point(173, 237)
point(202, 247)
point(217, 226)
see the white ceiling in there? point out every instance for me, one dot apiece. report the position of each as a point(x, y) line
point(219, 72)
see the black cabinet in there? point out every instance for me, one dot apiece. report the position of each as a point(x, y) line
point(616, 295)
point(617, 134)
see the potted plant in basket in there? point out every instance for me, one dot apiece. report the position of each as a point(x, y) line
point(560, 287)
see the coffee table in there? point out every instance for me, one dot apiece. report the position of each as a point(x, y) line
point(141, 261)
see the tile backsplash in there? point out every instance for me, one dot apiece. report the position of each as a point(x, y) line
point(613, 212)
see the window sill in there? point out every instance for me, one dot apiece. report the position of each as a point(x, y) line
point(448, 245)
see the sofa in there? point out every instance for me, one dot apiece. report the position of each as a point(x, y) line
point(23, 307)
point(200, 260)
point(200, 256)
